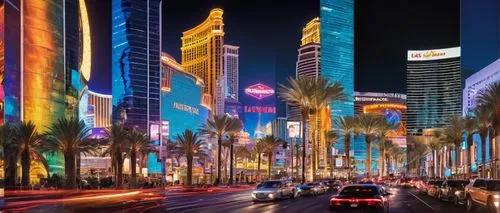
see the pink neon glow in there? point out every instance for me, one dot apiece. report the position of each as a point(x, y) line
point(259, 91)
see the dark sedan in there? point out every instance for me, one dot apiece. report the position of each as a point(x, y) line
point(361, 197)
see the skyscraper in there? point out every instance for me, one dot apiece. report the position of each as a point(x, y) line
point(433, 88)
point(102, 109)
point(136, 62)
point(337, 50)
point(202, 51)
point(231, 70)
point(308, 62)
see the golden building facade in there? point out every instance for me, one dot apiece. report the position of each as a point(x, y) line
point(202, 50)
point(311, 32)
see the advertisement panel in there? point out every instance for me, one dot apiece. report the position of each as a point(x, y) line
point(436, 54)
point(294, 129)
point(259, 109)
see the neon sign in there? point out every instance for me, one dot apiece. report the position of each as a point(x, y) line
point(259, 91)
point(260, 109)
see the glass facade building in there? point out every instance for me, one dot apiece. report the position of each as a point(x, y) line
point(337, 50)
point(136, 62)
point(433, 88)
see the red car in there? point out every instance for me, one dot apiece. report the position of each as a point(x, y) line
point(361, 197)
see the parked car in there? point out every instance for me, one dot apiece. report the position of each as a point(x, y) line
point(361, 197)
point(453, 190)
point(313, 188)
point(483, 192)
point(432, 187)
point(273, 190)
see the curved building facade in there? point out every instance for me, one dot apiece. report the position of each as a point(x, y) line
point(433, 88)
point(202, 55)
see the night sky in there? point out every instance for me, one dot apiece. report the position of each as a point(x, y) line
point(269, 35)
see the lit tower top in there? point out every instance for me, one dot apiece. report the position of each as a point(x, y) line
point(86, 42)
point(202, 56)
point(311, 32)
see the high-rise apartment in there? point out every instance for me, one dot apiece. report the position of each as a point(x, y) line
point(136, 62)
point(202, 55)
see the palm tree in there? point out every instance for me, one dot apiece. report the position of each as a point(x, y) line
point(490, 98)
point(30, 144)
point(369, 125)
point(258, 149)
point(345, 126)
point(117, 147)
point(452, 134)
point(8, 134)
point(271, 143)
point(233, 128)
point(433, 147)
point(324, 93)
point(242, 151)
point(384, 144)
point(190, 145)
point(331, 137)
point(469, 124)
point(138, 142)
point(217, 127)
point(299, 94)
point(483, 123)
point(69, 137)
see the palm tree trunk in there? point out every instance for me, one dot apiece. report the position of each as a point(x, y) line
point(231, 163)
point(368, 163)
point(189, 172)
point(382, 159)
point(219, 159)
point(70, 170)
point(492, 153)
point(258, 168)
point(483, 136)
point(133, 161)
point(457, 158)
point(269, 165)
point(469, 160)
point(496, 127)
point(291, 155)
point(388, 163)
point(26, 164)
point(347, 148)
point(11, 171)
point(119, 171)
point(304, 142)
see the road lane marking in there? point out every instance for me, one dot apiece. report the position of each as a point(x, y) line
point(422, 201)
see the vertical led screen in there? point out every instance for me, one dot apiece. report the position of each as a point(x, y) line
point(259, 108)
point(12, 62)
point(2, 61)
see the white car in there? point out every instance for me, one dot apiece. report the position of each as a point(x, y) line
point(272, 190)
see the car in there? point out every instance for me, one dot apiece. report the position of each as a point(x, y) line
point(333, 185)
point(432, 187)
point(272, 190)
point(453, 190)
point(313, 188)
point(484, 193)
point(361, 197)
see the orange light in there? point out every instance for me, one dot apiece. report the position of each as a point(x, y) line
point(85, 67)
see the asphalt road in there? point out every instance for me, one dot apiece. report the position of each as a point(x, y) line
point(401, 200)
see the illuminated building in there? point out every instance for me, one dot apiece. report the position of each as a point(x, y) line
point(308, 62)
point(337, 50)
point(433, 88)
point(182, 108)
point(136, 63)
point(202, 55)
point(259, 110)
point(102, 108)
point(390, 105)
point(477, 83)
point(231, 70)
point(279, 128)
point(233, 108)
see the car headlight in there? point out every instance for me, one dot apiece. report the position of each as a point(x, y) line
point(496, 196)
point(253, 195)
point(271, 196)
point(497, 204)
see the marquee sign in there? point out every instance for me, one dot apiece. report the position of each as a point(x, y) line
point(259, 91)
point(436, 54)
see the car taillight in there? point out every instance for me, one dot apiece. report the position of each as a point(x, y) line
point(368, 201)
